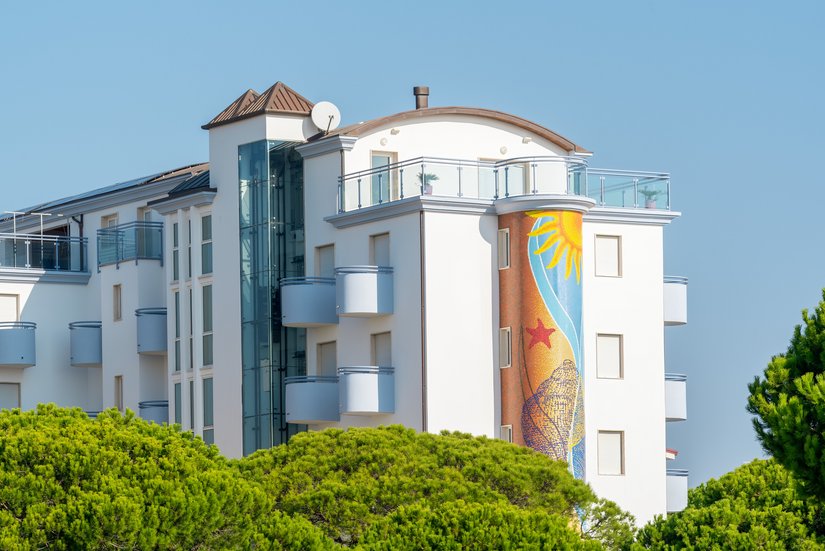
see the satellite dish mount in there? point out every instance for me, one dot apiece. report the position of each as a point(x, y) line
point(325, 116)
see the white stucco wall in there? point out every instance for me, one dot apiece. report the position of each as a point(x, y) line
point(632, 306)
point(462, 323)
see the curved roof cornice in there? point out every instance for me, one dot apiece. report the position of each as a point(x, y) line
point(407, 116)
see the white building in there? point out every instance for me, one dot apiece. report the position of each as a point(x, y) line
point(445, 268)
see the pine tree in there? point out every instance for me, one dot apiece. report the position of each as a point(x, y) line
point(789, 405)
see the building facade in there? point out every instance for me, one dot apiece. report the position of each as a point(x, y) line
point(446, 268)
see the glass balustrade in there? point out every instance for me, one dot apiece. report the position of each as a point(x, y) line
point(493, 180)
point(131, 241)
point(43, 252)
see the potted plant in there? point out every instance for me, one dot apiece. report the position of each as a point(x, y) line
point(650, 197)
point(425, 179)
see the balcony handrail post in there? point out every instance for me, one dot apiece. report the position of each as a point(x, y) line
point(601, 192)
point(422, 178)
point(668, 193)
point(495, 176)
point(635, 193)
point(506, 181)
point(380, 187)
point(459, 182)
point(56, 255)
point(401, 180)
point(535, 187)
point(340, 195)
point(28, 244)
point(359, 193)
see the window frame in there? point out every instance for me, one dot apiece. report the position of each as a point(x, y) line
point(117, 302)
point(621, 356)
point(503, 243)
point(206, 244)
point(619, 259)
point(622, 448)
point(509, 332)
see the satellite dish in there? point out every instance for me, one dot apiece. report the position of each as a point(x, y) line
point(325, 116)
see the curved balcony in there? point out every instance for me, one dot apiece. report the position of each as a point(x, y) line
point(131, 241)
point(151, 330)
point(367, 390)
point(364, 291)
point(308, 301)
point(675, 300)
point(86, 343)
point(311, 399)
point(675, 397)
point(677, 490)
point(17, 344)
point(156, 411)
point(494, 180)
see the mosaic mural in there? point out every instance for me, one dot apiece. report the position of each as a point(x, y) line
point(549, 336)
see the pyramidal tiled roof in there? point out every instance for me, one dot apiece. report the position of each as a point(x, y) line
point(279, 98)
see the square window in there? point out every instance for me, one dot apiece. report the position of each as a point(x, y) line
point(9, 395)
point(611, 452)
point(609, 357)
point(608, 256)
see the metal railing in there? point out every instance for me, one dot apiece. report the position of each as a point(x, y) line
point(681, 280)
point(43, 252)
point(131, 241)
point(493, 180)
point(303, 379)
point(18, 325)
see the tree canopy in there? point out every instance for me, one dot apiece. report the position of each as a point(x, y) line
point(753, 507)
point(789, 405)
point(346, 481)
point(70, 482)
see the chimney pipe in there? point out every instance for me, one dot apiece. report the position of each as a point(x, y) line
point(421, 96)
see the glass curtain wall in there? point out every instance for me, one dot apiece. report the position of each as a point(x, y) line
point(272, 247)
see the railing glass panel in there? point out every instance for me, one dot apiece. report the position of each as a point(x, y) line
point(132, 241)
point(43, 252)
point(491, 180)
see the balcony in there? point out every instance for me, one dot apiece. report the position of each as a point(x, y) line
point(367, 390)
point(675, 300)
point(364, 291)
point(675, 397)
point(17, 345)
point(308, 301)
point(22, 251)
point(311, 399)
point(677, 490)
point(151, 330)
point(132, 241)
point(86, 344)
point(488, 180)
point(156, 411)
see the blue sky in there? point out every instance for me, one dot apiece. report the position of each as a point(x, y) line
point(727, 96)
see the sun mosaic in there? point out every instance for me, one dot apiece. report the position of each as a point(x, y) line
point(563, 229)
